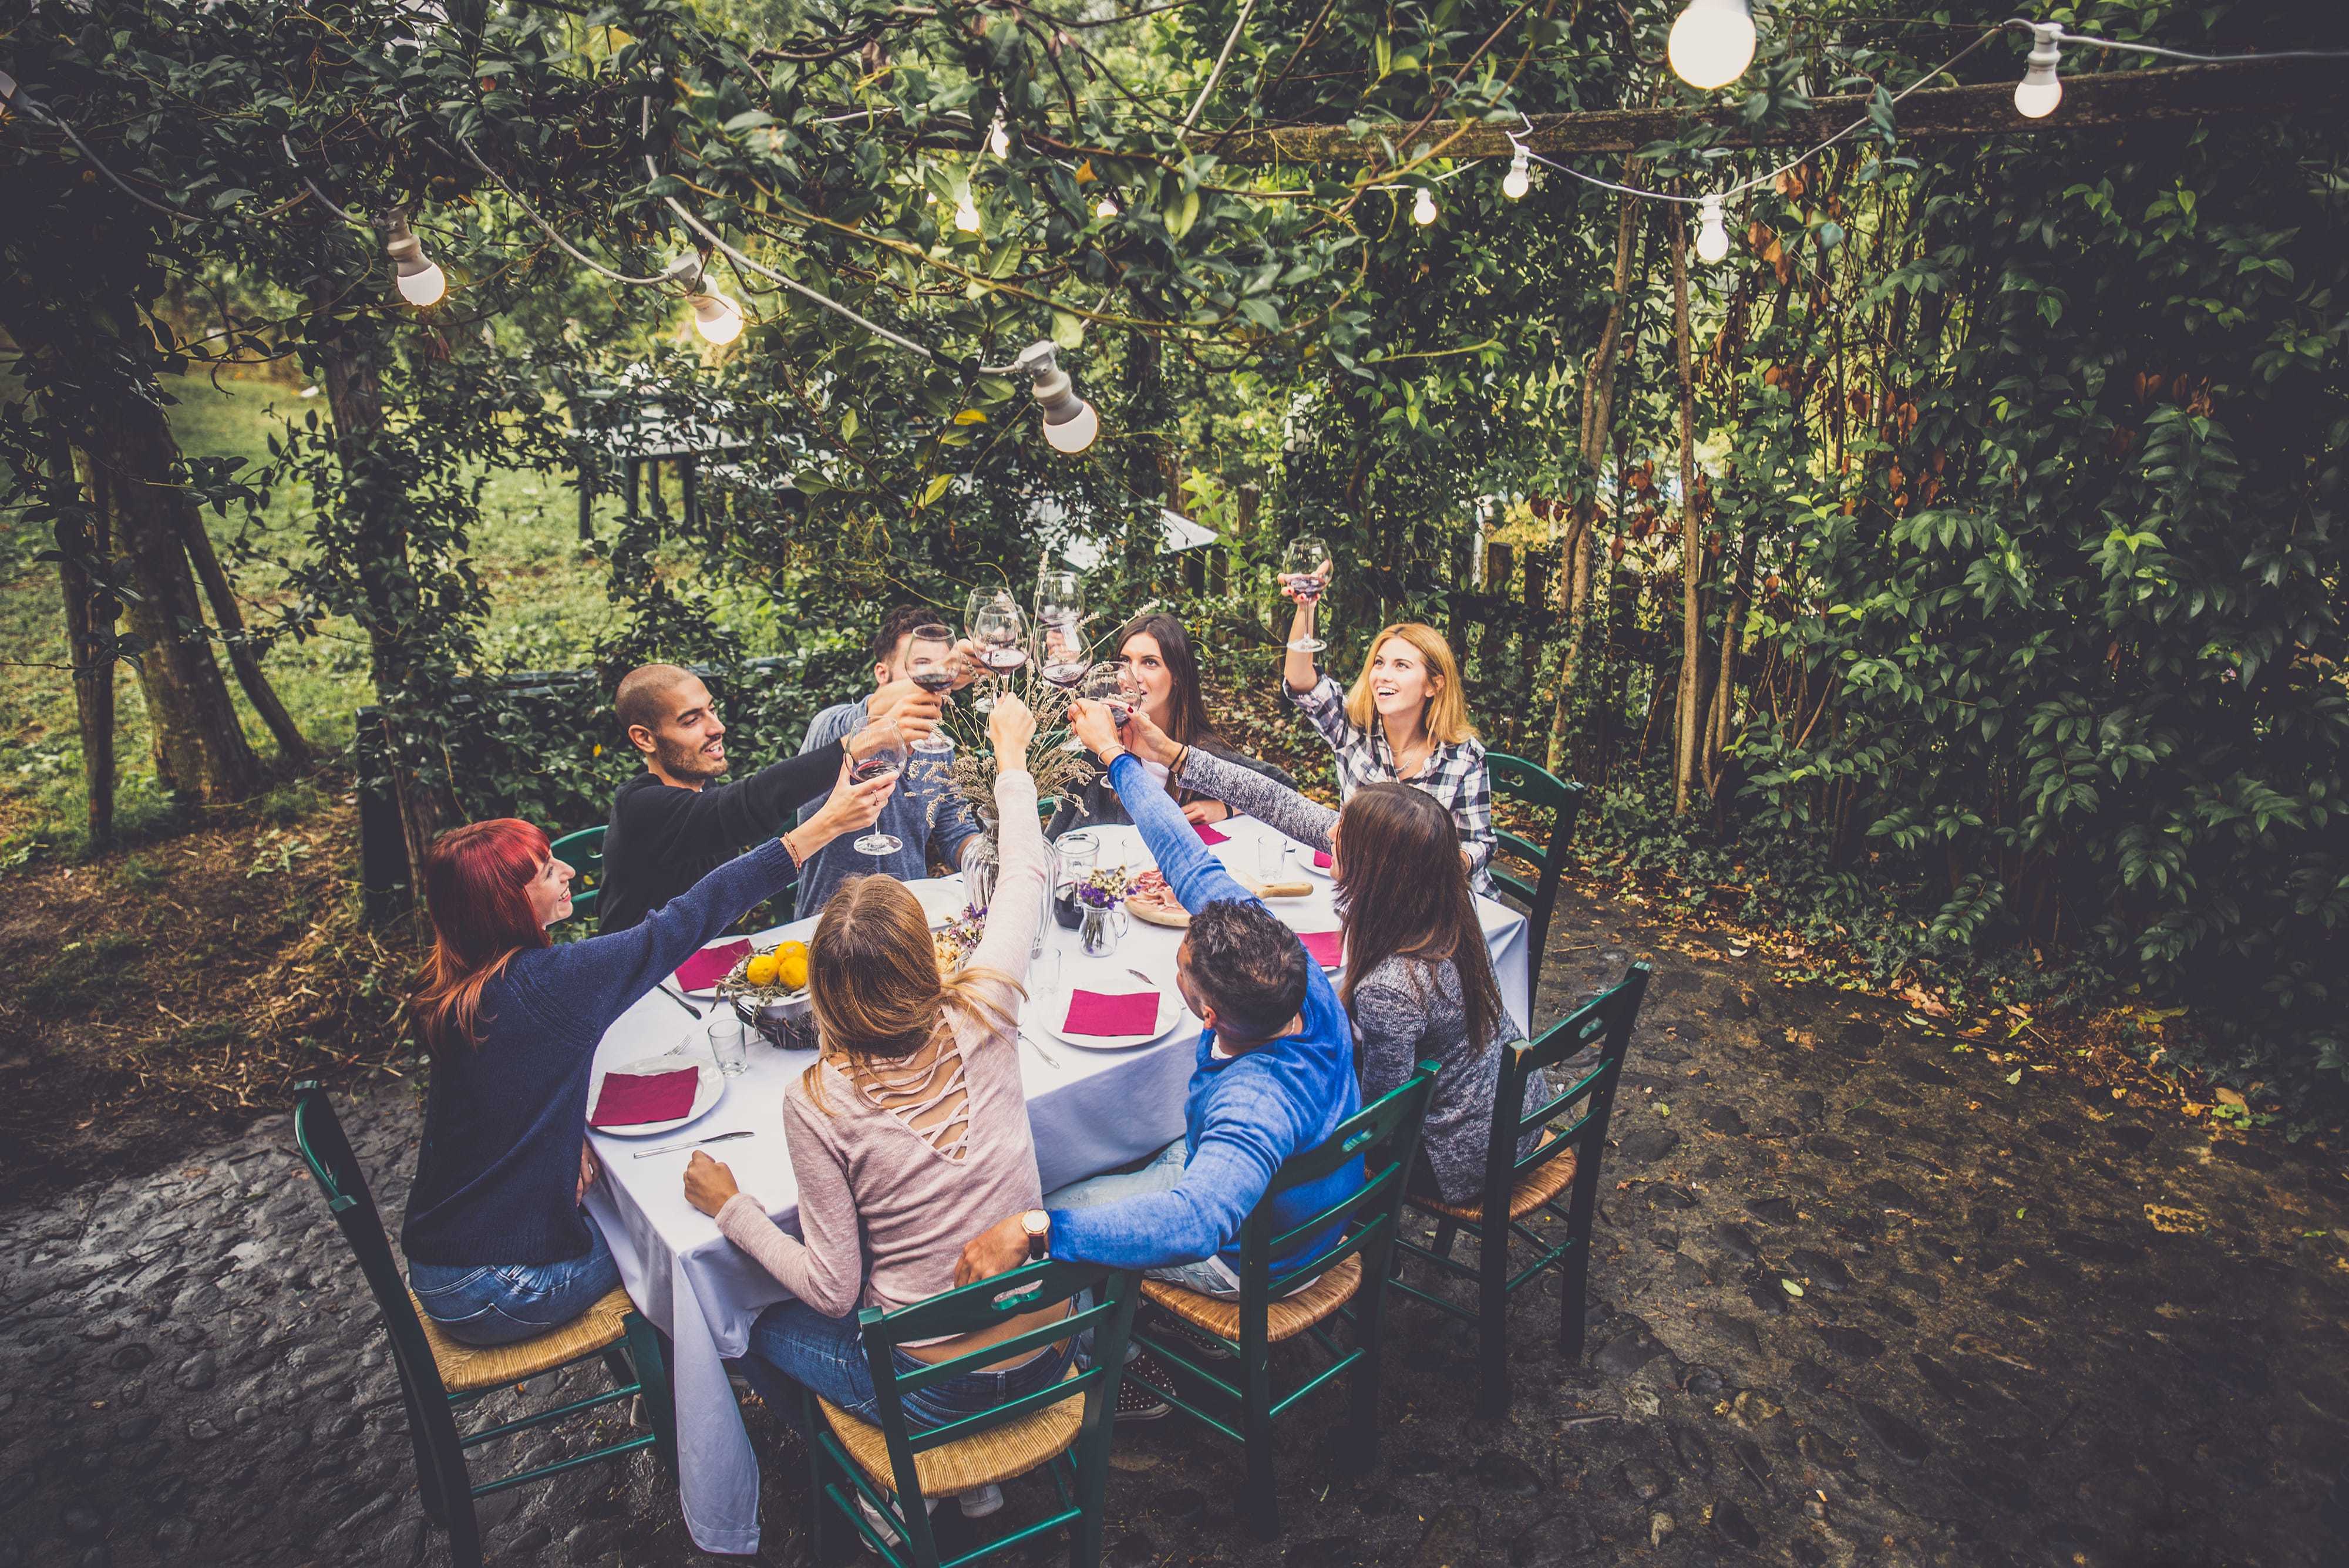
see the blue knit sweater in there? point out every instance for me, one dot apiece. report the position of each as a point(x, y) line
point(1242, 1117)
point(498, 1173)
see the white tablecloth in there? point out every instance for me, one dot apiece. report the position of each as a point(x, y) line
point(1092, 1112)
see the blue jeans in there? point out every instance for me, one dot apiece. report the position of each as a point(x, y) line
point(792, 1346)
point(1209, 1276)
point(499, 1304)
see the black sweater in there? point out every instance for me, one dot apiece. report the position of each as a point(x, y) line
point(663, 840)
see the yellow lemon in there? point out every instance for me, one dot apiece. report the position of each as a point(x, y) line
point(760, 970)
point(792, 966)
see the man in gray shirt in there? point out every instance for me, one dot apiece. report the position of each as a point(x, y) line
point(933, 823)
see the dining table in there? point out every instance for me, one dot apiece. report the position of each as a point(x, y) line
point(1091, 1110)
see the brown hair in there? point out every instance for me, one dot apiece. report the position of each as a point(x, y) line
point(1187, 709)
point(1447, 706)
point(873, 982)
point(1403, 889)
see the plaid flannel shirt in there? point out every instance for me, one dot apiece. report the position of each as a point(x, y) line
point(1453, 772)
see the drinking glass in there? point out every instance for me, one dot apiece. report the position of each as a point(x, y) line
point(1271, 856)
point(1059, 597)
point(929, 658)
point(1304, 572)
point(729, 1046)
point(1113, 683)
point(885, 760)
point(1001, 633)
point(1074, 857)
point(1060, 648)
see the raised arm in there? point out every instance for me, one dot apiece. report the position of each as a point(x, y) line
point(1198, 877)
point(1267, 800)
point(1022, 882)
point(696, 824)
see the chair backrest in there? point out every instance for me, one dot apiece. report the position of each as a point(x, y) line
point(984, 1304)
point(1514, 778)
point(1383, 1137)
point(585, 851)
point(1606, 1020)
point(327, 1150)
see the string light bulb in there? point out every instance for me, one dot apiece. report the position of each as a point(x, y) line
point(718, 319)
point(1069, 423)
point(1520, 177)
point(1422, 207)
point(1711, 234)
point(998, 137)
point(421, 280)
point(1712, 43)
point(1104, 208)
point(967, 214)
point(2040, 90)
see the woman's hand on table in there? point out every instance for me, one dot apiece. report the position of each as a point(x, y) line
point(708, 1183)
point(1010, 727)
point(588, 1171)
point(998, 1250)
point(1199, 811)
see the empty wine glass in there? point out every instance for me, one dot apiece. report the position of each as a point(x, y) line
point(1059, 596)
point(1304, 572)
point(884, 760)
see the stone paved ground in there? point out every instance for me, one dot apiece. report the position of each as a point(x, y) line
point(2034, 1327)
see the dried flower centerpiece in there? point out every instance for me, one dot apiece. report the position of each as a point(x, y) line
point(1104, 889)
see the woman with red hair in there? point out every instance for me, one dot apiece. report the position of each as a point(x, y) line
point(498, 1247)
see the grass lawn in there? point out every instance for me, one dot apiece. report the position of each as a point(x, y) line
point(547, 606)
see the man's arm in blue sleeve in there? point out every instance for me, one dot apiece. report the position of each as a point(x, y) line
point(1225, 1178)
point(1198, 877)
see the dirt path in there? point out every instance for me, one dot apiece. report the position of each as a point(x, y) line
point(2036, 1325)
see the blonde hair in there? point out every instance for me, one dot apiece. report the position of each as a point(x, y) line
point(873, 982)
point(1447, 706)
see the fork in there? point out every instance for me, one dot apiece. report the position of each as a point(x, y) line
point(1050, 1060)
point(1144, 979)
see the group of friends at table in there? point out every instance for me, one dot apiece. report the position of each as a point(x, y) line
point(909, 1132)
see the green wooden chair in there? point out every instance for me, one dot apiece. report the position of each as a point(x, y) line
point(1384, 1138)
point(1563, 1168)
point(1514, 778)
point(882, 1464)
point(585, 851)
point(439, 1377)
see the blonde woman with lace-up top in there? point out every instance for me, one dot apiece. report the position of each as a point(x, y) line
point(909, 1133)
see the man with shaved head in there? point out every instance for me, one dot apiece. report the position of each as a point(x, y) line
point(680, 818)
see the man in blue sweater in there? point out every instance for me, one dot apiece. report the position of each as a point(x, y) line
point(1275, 1076)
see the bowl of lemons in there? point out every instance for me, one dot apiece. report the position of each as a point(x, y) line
point(768, 991)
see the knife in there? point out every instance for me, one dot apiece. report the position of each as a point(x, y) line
point(675, 997)
point(692, 1143)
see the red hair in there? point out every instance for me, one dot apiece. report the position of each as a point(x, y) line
point(476, 888)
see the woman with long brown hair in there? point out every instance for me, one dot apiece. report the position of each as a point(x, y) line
point(1163, 669)
point(498, 1247)
point(1418, 981)
point(908, 1134)
point(1406, 718)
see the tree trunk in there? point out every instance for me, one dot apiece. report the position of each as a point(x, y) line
point(1598, 418)
point(1685, 729)
point(238, 641)
point(389, 608)
point(1732, 638)
point(91, 610)
point(129, 459)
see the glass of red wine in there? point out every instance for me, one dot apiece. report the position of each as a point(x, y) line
point(1062, 652)
point(929, 658)
point(884, 760)
point(1001, 633)
point(1111, 683)
point(1304, 572)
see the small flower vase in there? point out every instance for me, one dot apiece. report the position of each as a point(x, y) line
point(978, 869)
point(1097, 932)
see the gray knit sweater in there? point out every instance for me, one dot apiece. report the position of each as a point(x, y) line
point(1405, 1011)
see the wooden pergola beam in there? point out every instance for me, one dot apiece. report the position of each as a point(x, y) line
point(2268, 88)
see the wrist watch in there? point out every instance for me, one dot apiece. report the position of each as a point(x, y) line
point(1038, 1226)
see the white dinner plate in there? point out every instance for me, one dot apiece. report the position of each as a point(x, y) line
point(1304, 857)
point(705, 1095)
point(1052, 1014)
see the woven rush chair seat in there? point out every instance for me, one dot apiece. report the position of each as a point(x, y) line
point(998, 1455)
point(1532, 1189)
point(1287, 1317)
point(467, 1367)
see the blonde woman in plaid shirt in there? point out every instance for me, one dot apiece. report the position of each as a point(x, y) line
point(1406, 719)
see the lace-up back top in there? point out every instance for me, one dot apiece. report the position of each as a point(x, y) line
point(904, 1162)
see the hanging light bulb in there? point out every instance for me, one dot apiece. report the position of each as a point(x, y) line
point(421, 282)
point(999, 137)
point(1069, 423)
point(967, 214)
point(1422, 209)
point(1104, 208)
point(1713, 43)
point(2040, 90)
point(1520, 177)
point(718, 319)
point(1712, 236)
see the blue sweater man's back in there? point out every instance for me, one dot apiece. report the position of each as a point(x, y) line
point(1243, 1115)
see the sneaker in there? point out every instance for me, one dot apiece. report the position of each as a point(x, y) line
point(980, 1501)
point(1135, 1402)
point(1205, 1346)
point(881, 1525)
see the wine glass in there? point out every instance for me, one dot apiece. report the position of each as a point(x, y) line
point(929, 658)
point(1304, 574)
point(885, 760)
point(1061, 651)
point(1001, 633)
point(984, 602)
point(1112, 683)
